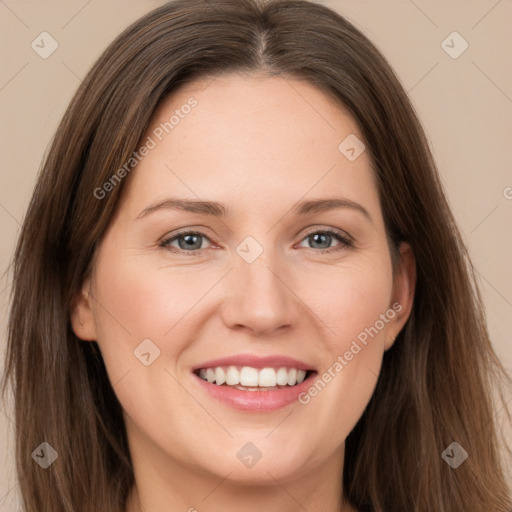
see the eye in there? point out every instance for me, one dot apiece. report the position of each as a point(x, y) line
point(192, 241)
point(188, 241)
point(324, 237)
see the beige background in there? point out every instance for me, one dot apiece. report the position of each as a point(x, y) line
point(465, 105)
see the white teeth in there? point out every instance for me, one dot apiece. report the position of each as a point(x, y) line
point(282, 377)
point(220, 376)
point(267, 377)
point(292, 376)
point(232, 376)
point(248, 377)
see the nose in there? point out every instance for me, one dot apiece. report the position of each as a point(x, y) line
point(259, 299)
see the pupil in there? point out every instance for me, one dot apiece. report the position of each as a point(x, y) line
point(189, 242)
point(323, 235)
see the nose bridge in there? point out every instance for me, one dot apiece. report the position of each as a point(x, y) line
point(260, 300)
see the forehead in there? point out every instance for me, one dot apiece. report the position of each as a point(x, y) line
point(239, 138)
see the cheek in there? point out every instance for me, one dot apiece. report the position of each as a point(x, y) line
point(136, 302)
point(144, 300)
point(352, 306)
point(351, 301)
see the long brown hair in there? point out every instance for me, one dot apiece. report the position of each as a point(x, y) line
point(436, 383)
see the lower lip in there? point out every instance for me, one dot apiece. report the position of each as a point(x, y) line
point(258, 401)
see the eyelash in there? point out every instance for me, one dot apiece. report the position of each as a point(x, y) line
point(346, 242)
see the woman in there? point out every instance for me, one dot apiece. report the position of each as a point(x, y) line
point(178, 340)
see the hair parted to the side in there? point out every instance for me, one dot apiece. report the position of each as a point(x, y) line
point(436, 381)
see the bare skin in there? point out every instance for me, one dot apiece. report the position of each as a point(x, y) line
point(258, 145)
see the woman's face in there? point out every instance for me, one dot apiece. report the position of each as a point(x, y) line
point(269, 278)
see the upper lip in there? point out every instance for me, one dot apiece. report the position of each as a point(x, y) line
point(254, 361)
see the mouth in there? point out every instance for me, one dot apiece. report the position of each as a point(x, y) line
point(247, 378)
point(254, 389)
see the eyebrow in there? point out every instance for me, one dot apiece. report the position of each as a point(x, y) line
point(219, 210)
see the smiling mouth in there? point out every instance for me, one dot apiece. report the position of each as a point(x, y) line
point(247, 378)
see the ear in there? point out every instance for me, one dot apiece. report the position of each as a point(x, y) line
point(403, 292)
point(82, 314)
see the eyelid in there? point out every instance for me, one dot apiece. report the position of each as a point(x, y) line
point(327, 229)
